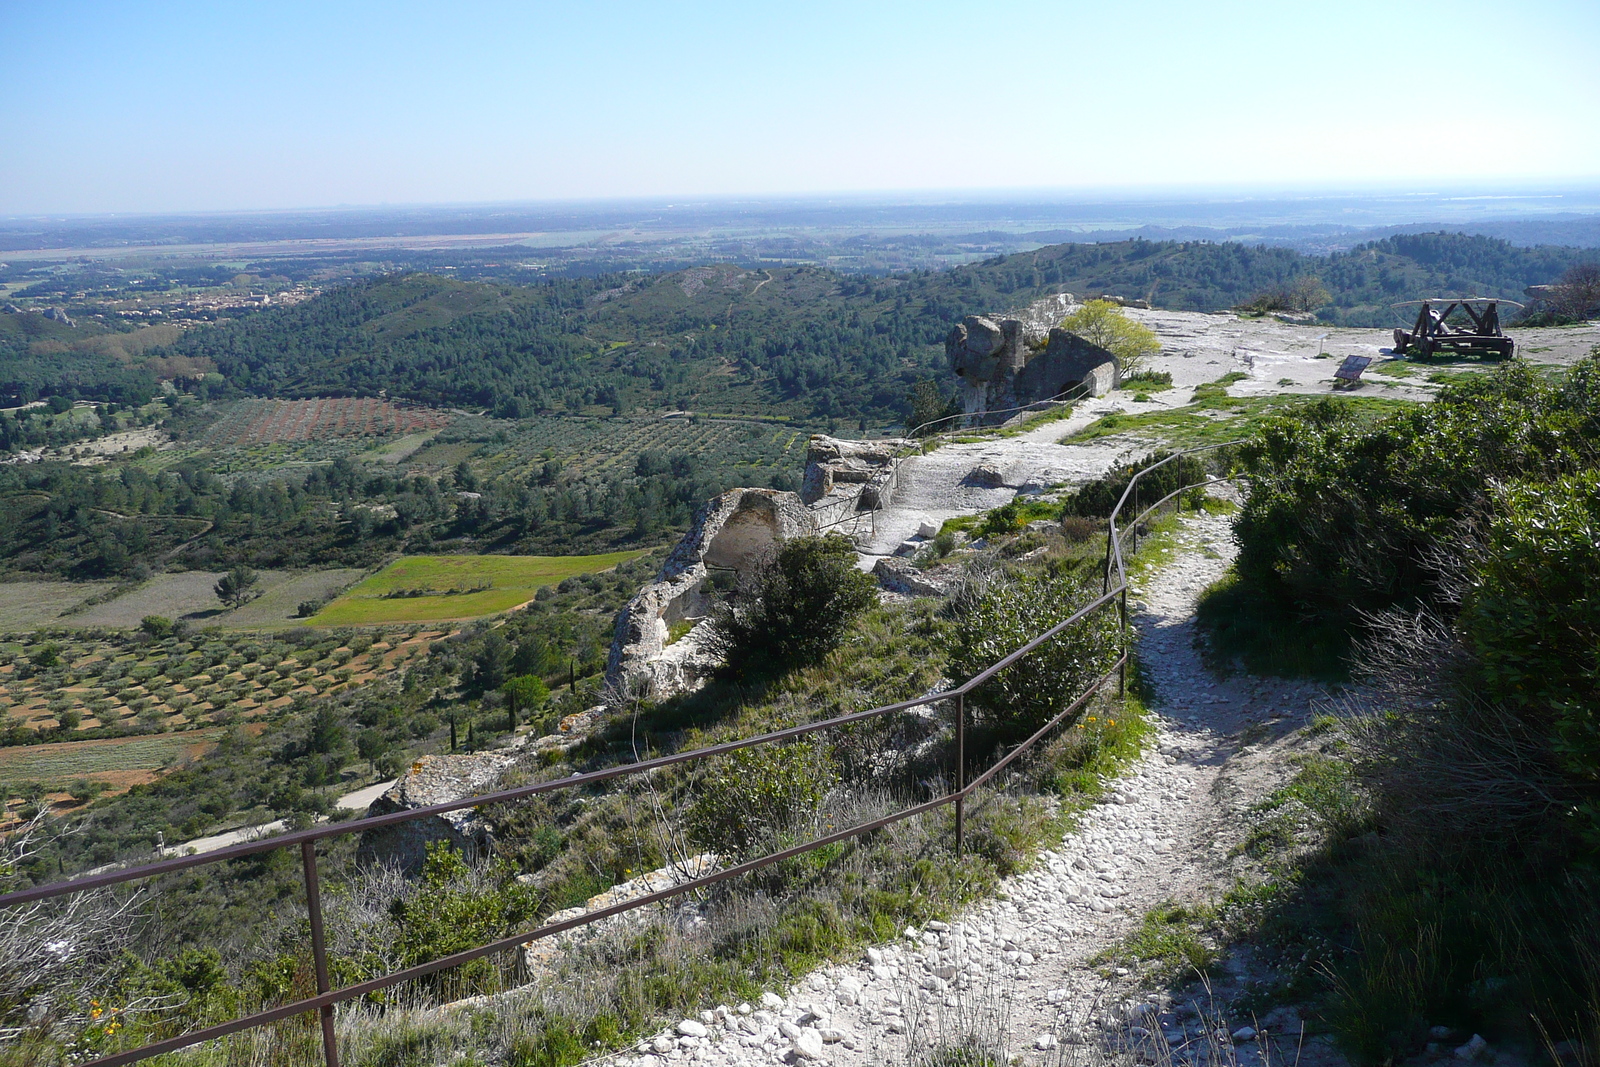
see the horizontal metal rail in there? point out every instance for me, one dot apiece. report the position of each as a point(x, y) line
point(326, 998)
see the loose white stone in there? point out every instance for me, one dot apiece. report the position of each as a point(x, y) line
point(692, 1028)
point(808, 1044)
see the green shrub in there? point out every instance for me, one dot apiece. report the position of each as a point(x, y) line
point(1023, 697)
point(1148, 380)
point(792, 609)
point(1343, 515)
point(1532, 616)
point(456, 908)
point(1097, 498)
point(756, 796)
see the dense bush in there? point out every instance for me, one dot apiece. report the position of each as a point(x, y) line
point(1343, 514)
point(1531, 616)
point(1097, 498)
point(792, 608)
point(1014, 610)
point(756, 796)
point(456, 907)
point(1458, 542)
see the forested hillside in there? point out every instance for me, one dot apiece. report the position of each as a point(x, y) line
point(799, 341)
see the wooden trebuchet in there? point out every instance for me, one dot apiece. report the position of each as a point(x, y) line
point(1433, 331)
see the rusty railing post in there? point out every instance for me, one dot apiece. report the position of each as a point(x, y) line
point(319, 949)
point(1122, 669)
point(961, 768)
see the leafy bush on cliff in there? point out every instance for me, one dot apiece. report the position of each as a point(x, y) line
point(1023, 697)
point(792, 609)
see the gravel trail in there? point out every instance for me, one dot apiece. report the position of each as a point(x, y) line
point(1162, 834)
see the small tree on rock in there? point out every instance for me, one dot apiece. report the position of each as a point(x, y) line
point(1103, 323)
point(791, 609)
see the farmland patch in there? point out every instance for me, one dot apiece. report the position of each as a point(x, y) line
point(434, 588)
point(261, 422)
point(182, 595)
point(55, 688)
point(56, 766)
point(27, 605)
point(279, 605)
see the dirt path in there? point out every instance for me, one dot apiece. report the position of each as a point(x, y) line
point(1163, 834)
point(358, 801)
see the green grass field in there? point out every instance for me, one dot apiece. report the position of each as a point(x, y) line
point(456, 587)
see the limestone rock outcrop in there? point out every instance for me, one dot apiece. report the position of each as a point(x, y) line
point(901, 576)
point(844, 477)
point(1007, 364)
point(434, 780)
point(731, 533)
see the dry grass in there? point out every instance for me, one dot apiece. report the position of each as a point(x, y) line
point(181, 595)
point(31, 605)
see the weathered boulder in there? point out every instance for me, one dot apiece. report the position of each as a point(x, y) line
point(987, 474)
point(731, 533)
point(982, 351)
point(1009, 364)
point(843, 477)
point(434, 780)
point(1067, 364)
point(899, 576)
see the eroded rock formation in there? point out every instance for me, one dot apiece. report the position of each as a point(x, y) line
point(729, 535)
point(845, 477)
point(1006, 364)
point(434, 780)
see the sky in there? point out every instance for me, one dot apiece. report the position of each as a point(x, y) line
point(168, 107)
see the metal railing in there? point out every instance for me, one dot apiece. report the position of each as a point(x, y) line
point(306, 840)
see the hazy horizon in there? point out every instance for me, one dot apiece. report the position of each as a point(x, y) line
point(183, 108)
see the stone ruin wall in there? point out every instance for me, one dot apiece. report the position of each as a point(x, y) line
point(730, 535)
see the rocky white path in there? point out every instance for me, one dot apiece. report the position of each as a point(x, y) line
point(940, 486)
point(1160, 835)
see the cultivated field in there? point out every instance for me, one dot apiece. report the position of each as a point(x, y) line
point(117, 761)
point(76, 704)
point(278, 605)
point(263, 422)
point(439, 588)
point(191, 596)
point(27, 605)
point(610, 447)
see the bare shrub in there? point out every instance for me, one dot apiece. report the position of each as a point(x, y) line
point(1437, 756)
point(1577, 295)
point(55, 955)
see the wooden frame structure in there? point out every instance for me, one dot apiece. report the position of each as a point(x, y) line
point(1432, 332)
